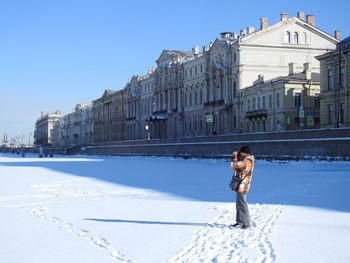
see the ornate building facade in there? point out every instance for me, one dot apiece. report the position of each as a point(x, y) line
point(205, 91)
point(74, 128)
point(43, 128)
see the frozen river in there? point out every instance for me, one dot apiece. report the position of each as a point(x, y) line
point(118, 209)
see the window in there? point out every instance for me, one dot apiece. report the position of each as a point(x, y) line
point(304, 38)
point(234, 89)
point(264, 103)
point(342, 71)
point(195, 98)
point(277, 100)
point(330, 79)
point(270, 101)
point(234, 57)
point(254, 103)
point(295, 38)
point(341, 113)
point(190, 72)
point(330, 113)
point(195, 71)
point(221, 91)
point(207, 93)
point(259, 103)
point(248, 104)
point(190, 121)
point(317, 100)
point(201, 68)
point(297, 99)
point(201, 97)
point(286, 38)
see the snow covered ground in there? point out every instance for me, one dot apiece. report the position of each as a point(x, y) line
point(116, 209)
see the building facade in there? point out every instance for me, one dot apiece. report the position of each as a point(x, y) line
point(43, 127)
point(220, 88)
point(109, 116)
point(198, 92)
point(75, 128)
point(285, 103)
point(335, 86)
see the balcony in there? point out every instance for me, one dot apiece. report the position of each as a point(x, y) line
point(214, 103)
point(256, 114)
point(160, 112)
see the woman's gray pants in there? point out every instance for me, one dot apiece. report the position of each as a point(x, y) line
point(242, 211)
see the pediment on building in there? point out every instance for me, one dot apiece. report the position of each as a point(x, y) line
point(107, 93)
point(168, 56)
point(217, 46)
point(274, 35)
point(134, 80)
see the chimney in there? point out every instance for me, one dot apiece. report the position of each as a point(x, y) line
point(301, 16)
point(284, 16)
point(205, 48)
point(307, 70)
point(250, 29)
point(226, 35)
point(243, 32)
point(292, 68)
point(337, 34)
point(264, 23)
point(195, 50)
point(310, 19)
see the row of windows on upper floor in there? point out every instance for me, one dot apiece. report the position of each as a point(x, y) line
point(294, 38)
point(194, 71)
point(259, 103)
point(147, 87)
point(331, 79)
point(199, 69)
point(332, 118)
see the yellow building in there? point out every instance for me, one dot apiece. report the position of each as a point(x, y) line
point(335, 86)
point(284, 103)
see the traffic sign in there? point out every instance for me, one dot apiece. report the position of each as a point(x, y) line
point(209, 118)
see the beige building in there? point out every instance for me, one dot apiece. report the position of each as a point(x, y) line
point(196, 93)
point(335, 86)
point(74, 128)
point(109, 116)
point(284, 103)
point(44, 126)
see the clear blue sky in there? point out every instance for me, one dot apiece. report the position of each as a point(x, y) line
point(55, 54)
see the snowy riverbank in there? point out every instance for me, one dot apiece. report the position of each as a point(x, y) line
point(116, 209)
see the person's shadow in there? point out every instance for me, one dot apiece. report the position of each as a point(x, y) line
point(156, 222)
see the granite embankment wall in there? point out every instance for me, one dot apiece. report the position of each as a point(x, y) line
point(279, 145)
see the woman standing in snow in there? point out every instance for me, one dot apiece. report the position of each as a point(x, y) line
point(243, 164)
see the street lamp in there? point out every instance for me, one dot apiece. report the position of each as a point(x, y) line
point(30, 134)
point(148, 132)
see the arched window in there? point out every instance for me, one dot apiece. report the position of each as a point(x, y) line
point(234, 89)
point(295, 38)
point(304, 39)
point(286, 37)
